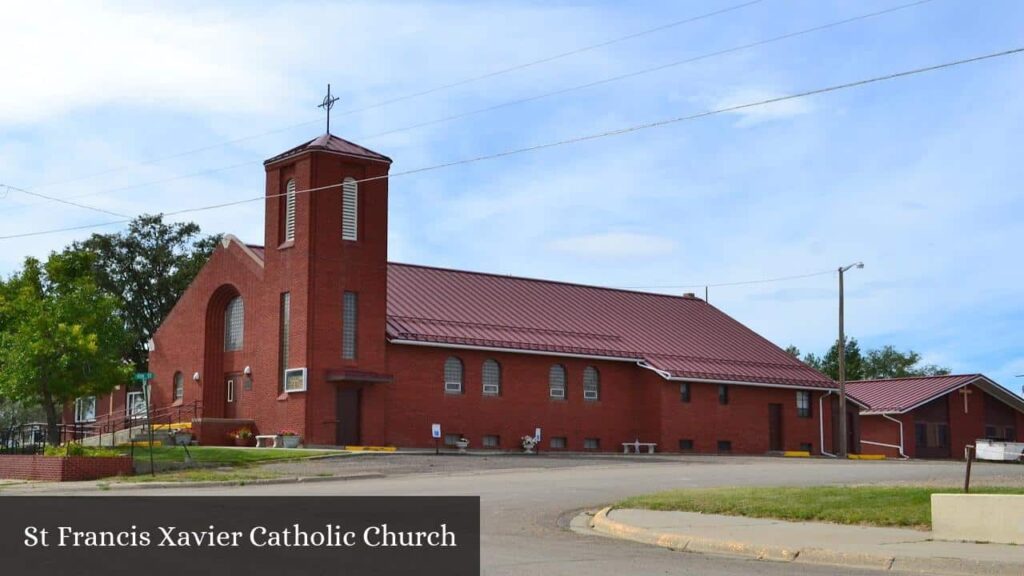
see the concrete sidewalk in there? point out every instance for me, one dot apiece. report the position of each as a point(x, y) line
point(894, 549)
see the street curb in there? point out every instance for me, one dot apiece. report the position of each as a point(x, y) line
point(601, 523)
point(220, 483)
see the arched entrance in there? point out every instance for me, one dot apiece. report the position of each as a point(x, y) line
point(223, 341)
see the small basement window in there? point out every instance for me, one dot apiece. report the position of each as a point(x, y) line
point(725, 446)
point(451, 439)
point(686, 445)
point(559, 442)
point(806, 447)
point(492, 441)
point(591, 443)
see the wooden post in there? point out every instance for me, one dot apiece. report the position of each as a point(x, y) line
point(969, 455)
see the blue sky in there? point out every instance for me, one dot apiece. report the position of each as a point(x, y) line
point(920, 177)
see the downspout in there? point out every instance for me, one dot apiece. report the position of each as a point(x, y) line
point(887, 417)
point(821, 423)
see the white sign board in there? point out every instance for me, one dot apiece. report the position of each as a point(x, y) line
point(536, 434)
point(435, 430)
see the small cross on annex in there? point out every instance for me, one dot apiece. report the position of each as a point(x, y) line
point(316, 332)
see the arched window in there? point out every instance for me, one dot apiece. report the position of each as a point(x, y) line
point(179, 385)
point(234, 324)
point(591, 384)
point(349, 209)
point(492, 378)
point(289, 211)
point(556, 382)
point(453, 375)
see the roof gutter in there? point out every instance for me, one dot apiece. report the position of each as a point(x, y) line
point(511, 350)
point(669, 376)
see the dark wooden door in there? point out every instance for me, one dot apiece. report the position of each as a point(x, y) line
point(232, 386)
point(349, 400)
point(775, 427)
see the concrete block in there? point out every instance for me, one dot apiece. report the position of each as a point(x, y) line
point(997, 518)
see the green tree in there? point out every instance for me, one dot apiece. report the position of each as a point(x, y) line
point(793, 351)
point(829, 364)
point(147, 268)
point(60, 337)
point(888, 362)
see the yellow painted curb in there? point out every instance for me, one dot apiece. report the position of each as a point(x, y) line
point(866, 456)
point(796, 454)
point(143, 443)
point(370, 448)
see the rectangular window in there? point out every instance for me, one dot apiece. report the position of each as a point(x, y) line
point(990, 432)
point(350, 315)
point(231, 391)
point(684, 391)
point(806, 447)
point(921, 434)
point(723, 394)
point(85, 409)
point(558, 442)
point(803, 404)
point(349, 210)
point(285, 335)
point(591, 443)
point(295, 380)
point(686, 445)
point(492, 441)
point(451, 439)
point(725, 446)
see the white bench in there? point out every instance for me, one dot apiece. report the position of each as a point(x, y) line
point(636, 444)
point(263, 437)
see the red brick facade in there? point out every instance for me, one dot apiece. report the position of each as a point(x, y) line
point(400, 388)
point(963, 425)
point(62, 469)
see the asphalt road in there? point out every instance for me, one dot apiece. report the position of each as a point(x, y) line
point(526, 509)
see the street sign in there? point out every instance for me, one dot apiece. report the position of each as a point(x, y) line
point(142, 376)
point(435, 430)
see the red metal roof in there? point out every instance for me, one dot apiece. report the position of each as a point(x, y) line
point(898, 395)
point(331, 143)
point(684, 337)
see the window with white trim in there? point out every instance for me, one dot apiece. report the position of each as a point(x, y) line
point(179, 385)
point(295, 380)
point(349, 209)
point(350, 314)
point(591, 384)
point(556, 382)
point(85, 409)
point(453, 375)
point(492, 378)
point(234, 324)
point(231, 391)
point(289, 211)
point(803, 403)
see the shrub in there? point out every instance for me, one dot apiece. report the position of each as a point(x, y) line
point(76, 449)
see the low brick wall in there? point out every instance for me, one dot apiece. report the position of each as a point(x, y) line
point(214, 431)
point(62, 468)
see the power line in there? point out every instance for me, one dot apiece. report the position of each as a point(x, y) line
point(578, 139)
point(420, 93)
point(61, 200)
point(608, 80)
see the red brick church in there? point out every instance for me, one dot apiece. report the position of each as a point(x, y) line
point(318, 333)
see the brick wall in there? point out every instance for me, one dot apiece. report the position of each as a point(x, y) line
point(879, 429)
point(62, 469)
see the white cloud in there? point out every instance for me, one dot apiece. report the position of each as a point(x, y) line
point(759, 114)
point(614, 245)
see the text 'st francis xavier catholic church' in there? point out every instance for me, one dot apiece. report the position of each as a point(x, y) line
point(317, 333)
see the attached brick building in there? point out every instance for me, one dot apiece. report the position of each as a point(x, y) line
point(937, 416)
point(318, 333)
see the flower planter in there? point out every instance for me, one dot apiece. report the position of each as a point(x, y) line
point(245, 442)
point(290, 441)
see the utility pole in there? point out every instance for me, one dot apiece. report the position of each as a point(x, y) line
point(844, 448)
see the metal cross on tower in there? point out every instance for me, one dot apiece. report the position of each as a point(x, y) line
point(327, 104)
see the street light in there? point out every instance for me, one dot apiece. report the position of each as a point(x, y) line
point(843, 439)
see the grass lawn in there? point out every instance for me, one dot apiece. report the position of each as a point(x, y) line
point(240, 475)
point(903, 506)
point(225, 456)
